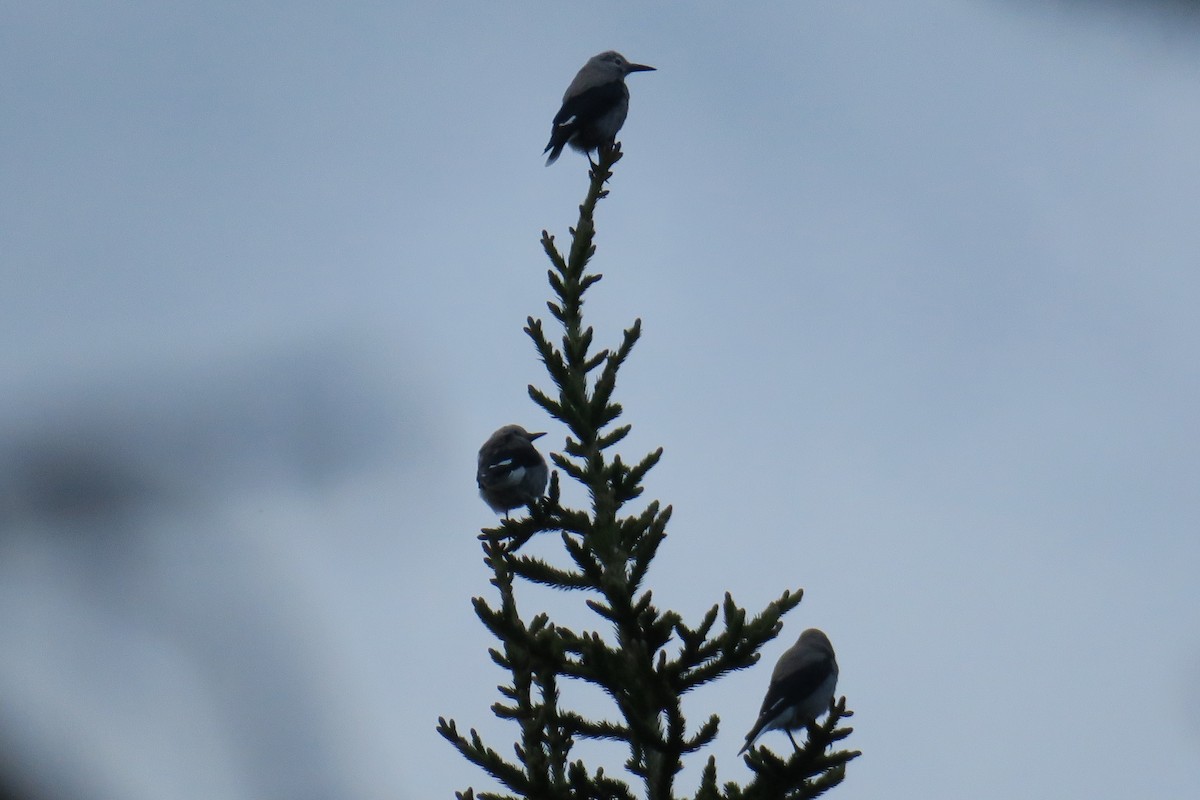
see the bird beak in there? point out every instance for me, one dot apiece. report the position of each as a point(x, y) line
point(639, 68)
point(533, 436)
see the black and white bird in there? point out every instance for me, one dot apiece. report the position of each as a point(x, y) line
point(512, 473)
point(594, 105)
point(801, 687)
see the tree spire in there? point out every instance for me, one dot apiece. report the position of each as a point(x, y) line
point(643, 658)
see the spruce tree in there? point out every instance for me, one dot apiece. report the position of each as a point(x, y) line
point(644, 659)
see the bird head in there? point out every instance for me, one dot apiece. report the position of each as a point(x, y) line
point(817, 640)
point(517, 431)
point(615, 65)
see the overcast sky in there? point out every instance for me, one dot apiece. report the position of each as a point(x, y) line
point(919, 285)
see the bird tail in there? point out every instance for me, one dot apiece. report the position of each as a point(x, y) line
point(753, 734)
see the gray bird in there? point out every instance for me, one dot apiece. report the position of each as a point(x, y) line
point(594, 105)
point(512, 473)
point(801, 687)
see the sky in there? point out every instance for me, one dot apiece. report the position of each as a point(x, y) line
point(918, 287)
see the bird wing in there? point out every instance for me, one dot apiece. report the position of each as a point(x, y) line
point(590, 103)
point(794, 686)
point(509, 469)
point(785, 692)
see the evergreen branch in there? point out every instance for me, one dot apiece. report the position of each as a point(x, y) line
point(582, 251)
point(559, 288)
point(556, 364)
point(573, 470)
point(484, 757)
point(554, 255)
point(577, 348)
point(596, 787)
point(547, 728)
point(584, 559)
point(577, 725)
point(693, 638)
point(556, 311)
point(516, 531)
point(608, 378)
point(738, 644)
point(573, 522)
point(595, 361)
point(704, 736)
point(538, 571)
point(642, 535)
point(578, 449)
point(612, 437)
point(551, 406)
point(586, 281)
point(602, 414)
point(708, 781)
point(496, 621)
point(809, 771)
point(603, 610)
point(637, 473)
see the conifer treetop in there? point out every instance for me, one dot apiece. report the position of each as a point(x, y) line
point(648, 659)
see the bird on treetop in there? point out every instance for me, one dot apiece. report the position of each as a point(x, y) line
point(594, 106)
point(511, 473)
point(801, 687)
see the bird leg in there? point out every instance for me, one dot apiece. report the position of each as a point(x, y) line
point(789, 734)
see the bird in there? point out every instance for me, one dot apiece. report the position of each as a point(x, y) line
point(512, 473)
point(801, 687)
point(594, 105)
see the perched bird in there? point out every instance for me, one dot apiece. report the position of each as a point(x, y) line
point(594, 105)
point(512, 473)
point(801, 687)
